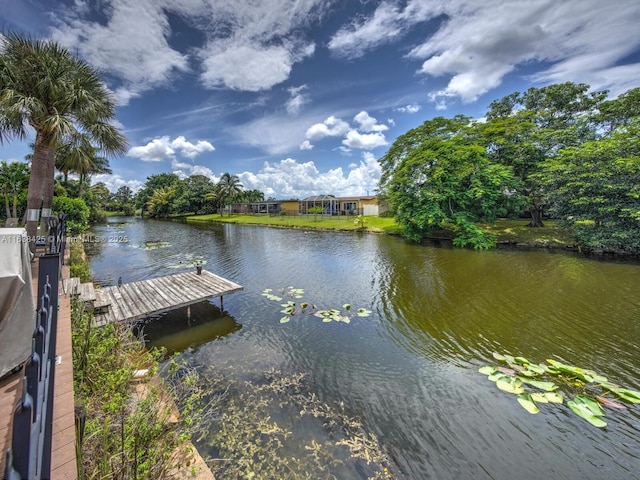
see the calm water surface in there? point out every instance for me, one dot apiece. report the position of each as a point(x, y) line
point(409, 371)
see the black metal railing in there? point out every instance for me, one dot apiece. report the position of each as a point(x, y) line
point(57, 234)
point(30, 454)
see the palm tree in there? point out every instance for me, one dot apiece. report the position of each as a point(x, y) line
point(230, 186)
point(13, 179)
point(77, 155)
point(160, 201)
point(45, 87)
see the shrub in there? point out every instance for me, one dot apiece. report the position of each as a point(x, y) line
point(77, 213)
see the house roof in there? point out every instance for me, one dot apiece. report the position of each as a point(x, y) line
point(319, 198)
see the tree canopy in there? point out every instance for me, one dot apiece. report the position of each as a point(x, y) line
point(560, 149)
point(46, 88)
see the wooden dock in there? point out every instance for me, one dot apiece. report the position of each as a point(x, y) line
point(136, 300)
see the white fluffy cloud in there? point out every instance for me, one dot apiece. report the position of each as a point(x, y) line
point(248, 67)
point(306, 145)
point(366, 136)
point(291, 179)
point(247, 45)
point(163, 148)
point(184, 170)
point(331, 127)
point(114, 182)
point(364, 141)
point(478, 43)
point(412, 108)
point(132, 44)
point(368, 123)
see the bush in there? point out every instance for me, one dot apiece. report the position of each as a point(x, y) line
point(97, 215)
point(129, 210)
point(77, 213)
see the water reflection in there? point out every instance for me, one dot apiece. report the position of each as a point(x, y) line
point(187, 327)
point(409, 370)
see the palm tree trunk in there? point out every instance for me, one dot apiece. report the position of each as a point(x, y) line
point(8, 210)
point(43, 156)
point(15, 205)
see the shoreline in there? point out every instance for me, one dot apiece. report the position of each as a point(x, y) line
point(511, 234)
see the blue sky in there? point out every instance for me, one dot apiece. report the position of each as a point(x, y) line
point(302, 97)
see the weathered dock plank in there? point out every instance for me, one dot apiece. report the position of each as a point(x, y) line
point(135, 300)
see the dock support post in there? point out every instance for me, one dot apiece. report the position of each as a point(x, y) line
point(221, 303)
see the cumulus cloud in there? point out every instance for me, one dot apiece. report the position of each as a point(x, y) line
point(162, 148)
point(364, 141)
point(412, 108)
point(368, 123)
point(306, 145)
point(331, 127)
point(115, 181)
point(247, 67)
point(366, 135)
point(475, 47)
point(289, 178)
point(184, 170)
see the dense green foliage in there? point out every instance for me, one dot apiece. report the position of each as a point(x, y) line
point(60, 96)
point(14, 178)
point(166, 194)
point(559, 149)
point(76, 211)
point(595, 188)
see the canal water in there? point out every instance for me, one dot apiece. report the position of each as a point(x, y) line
point(405, 378)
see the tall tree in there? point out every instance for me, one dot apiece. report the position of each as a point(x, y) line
point(525, 129)
point(595, 189)
point(160, 201)
point(13, 180)
point(250, 196)
point(230, 187)
point(123, 195)
point(439, 175)
point(45, 87)
point(160, 180)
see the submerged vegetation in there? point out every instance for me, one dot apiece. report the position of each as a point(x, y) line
point(587, 391)
point(273, 425)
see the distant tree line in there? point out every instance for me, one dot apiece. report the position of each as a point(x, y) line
point(167, 194)
point(559, 151)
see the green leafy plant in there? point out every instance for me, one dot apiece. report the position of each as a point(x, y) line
point(536, 384)
point(292, 308)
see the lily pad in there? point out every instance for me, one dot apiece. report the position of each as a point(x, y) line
point(510, 384)
point(583, 410)
point(527, 403)
point(553, 397)
point(487, 370)
point(546, 386)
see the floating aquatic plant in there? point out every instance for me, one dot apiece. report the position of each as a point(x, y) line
point(151, 245)
point(292, 308)
point(538, 383)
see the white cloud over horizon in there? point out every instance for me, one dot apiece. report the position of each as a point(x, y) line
point(162, 148)
point(289, 178)
point(366, 136)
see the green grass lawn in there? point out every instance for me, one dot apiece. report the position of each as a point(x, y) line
point(517, 231)
point(372, 224)
point(514, 231)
